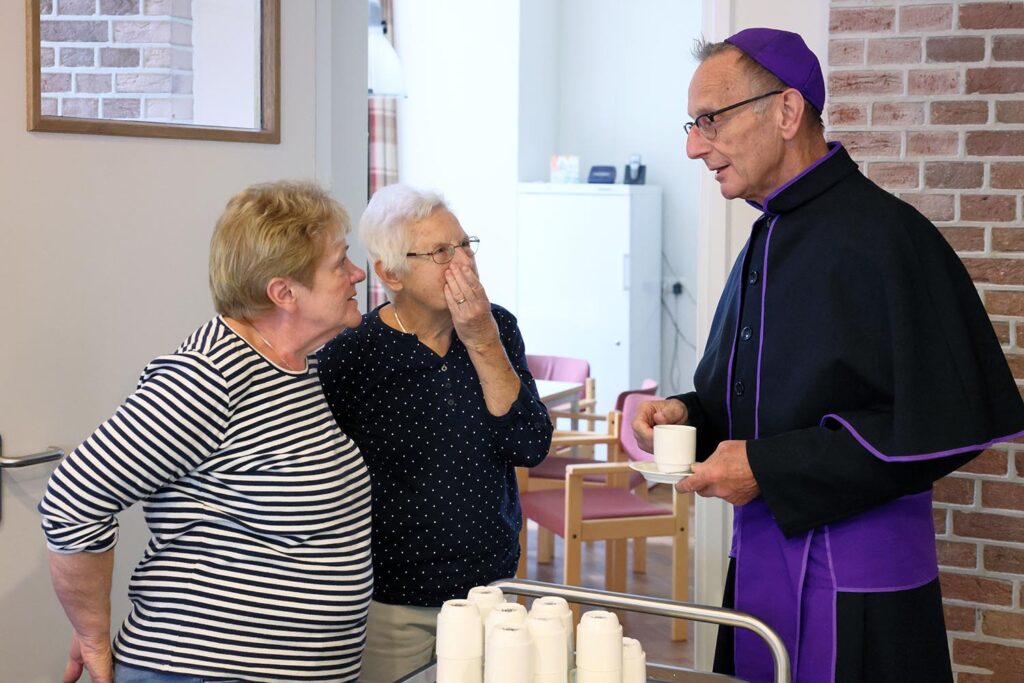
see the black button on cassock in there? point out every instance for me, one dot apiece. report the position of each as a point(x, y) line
point(738, 388)
point(746, 333)
point(752, 278)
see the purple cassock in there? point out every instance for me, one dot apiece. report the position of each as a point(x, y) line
point(851, 352)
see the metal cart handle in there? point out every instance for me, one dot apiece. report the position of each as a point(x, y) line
point(660, 607)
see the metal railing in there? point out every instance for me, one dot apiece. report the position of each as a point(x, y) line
point(661, 607)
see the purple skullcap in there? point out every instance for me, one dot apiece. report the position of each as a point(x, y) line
point(786, 55)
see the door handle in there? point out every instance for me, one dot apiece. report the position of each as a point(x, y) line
point(35, 459)
point(49, 455)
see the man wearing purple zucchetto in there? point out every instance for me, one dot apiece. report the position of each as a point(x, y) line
point(850, 364)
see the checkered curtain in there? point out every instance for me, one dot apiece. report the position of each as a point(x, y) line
point(383, 161)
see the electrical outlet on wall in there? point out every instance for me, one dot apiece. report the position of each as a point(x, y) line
point(673, 286)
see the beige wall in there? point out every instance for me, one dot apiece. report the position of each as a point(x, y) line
point(103, 245)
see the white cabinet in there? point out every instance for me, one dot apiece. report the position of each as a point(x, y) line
point(588, 279)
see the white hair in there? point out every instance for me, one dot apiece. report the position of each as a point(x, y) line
point(383, 228)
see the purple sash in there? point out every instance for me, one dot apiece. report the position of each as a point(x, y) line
point(792, 583)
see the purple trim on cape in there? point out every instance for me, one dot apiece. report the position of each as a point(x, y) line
point(735, 337)
point(803, 584)
point(760, 341)
point(833, 149)
point(835, 599)
point(835, 638)
point(919, 456)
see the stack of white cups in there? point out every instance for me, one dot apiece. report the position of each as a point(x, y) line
point(634, 662)
point(486, 599)
point(508, 654)
point(505, 614)
point(550, 661)
point(599, 648)
point(552, 606)
point(460, 643)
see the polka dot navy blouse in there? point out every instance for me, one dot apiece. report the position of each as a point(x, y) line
point(446, 511)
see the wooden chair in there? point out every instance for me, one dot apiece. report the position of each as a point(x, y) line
point(551, 472)
point(612, 514)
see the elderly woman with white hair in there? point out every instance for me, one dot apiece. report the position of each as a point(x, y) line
point(258, 568)
point(434, 388)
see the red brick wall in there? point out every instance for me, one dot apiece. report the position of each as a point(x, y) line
point(929, 97)
point(117, 59)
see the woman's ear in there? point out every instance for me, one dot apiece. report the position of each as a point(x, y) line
point(390, 280)
point(280, 292)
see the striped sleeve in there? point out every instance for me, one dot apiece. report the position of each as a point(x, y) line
point(175, 419)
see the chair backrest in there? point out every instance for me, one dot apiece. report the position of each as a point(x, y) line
point(559, 369)
point(648, 387)
point(626, 438)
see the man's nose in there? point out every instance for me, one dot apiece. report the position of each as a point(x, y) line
point(696, 144)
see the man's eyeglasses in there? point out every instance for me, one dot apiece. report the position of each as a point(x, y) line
point(705, 123)
point(444, 254)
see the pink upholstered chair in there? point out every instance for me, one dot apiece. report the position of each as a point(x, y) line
point(612, 513)
point(564, 369)
point(550, 474)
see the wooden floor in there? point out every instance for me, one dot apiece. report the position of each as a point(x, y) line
point(651, 631)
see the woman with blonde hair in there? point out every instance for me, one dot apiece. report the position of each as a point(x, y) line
point(258, 568)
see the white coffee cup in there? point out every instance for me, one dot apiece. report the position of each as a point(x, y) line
point(675, 447)
point(547, 635)
point(599, 643)
point(459, 631)
point(508, 654)
point(634, 662)
point(486, 599)
point(460, 670)
point(551, 605)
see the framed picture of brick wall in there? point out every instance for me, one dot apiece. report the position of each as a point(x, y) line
point(190, 69)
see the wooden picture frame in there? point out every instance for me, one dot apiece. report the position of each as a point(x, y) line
point(268, 132)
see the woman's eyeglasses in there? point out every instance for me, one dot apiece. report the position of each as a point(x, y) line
point(444, 254)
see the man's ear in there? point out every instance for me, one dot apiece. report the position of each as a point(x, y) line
point(387, 277)
point(791, 112)
point(281, 293)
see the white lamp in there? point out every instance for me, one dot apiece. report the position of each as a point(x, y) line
point(384, 71)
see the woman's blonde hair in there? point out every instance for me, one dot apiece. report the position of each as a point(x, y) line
point(279, 229)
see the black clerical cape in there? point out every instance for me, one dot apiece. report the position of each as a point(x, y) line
point(852, 353)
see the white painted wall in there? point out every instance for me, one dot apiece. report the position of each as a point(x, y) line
point(341, 110)
point(496, 88)
point(540, 86)
point(458, 128)
point(103, 248)
point(226, 63)
point(624, 70)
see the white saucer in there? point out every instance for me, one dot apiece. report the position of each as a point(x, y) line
point(654, 475)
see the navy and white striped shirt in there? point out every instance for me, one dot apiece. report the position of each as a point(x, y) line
point(259, 565)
